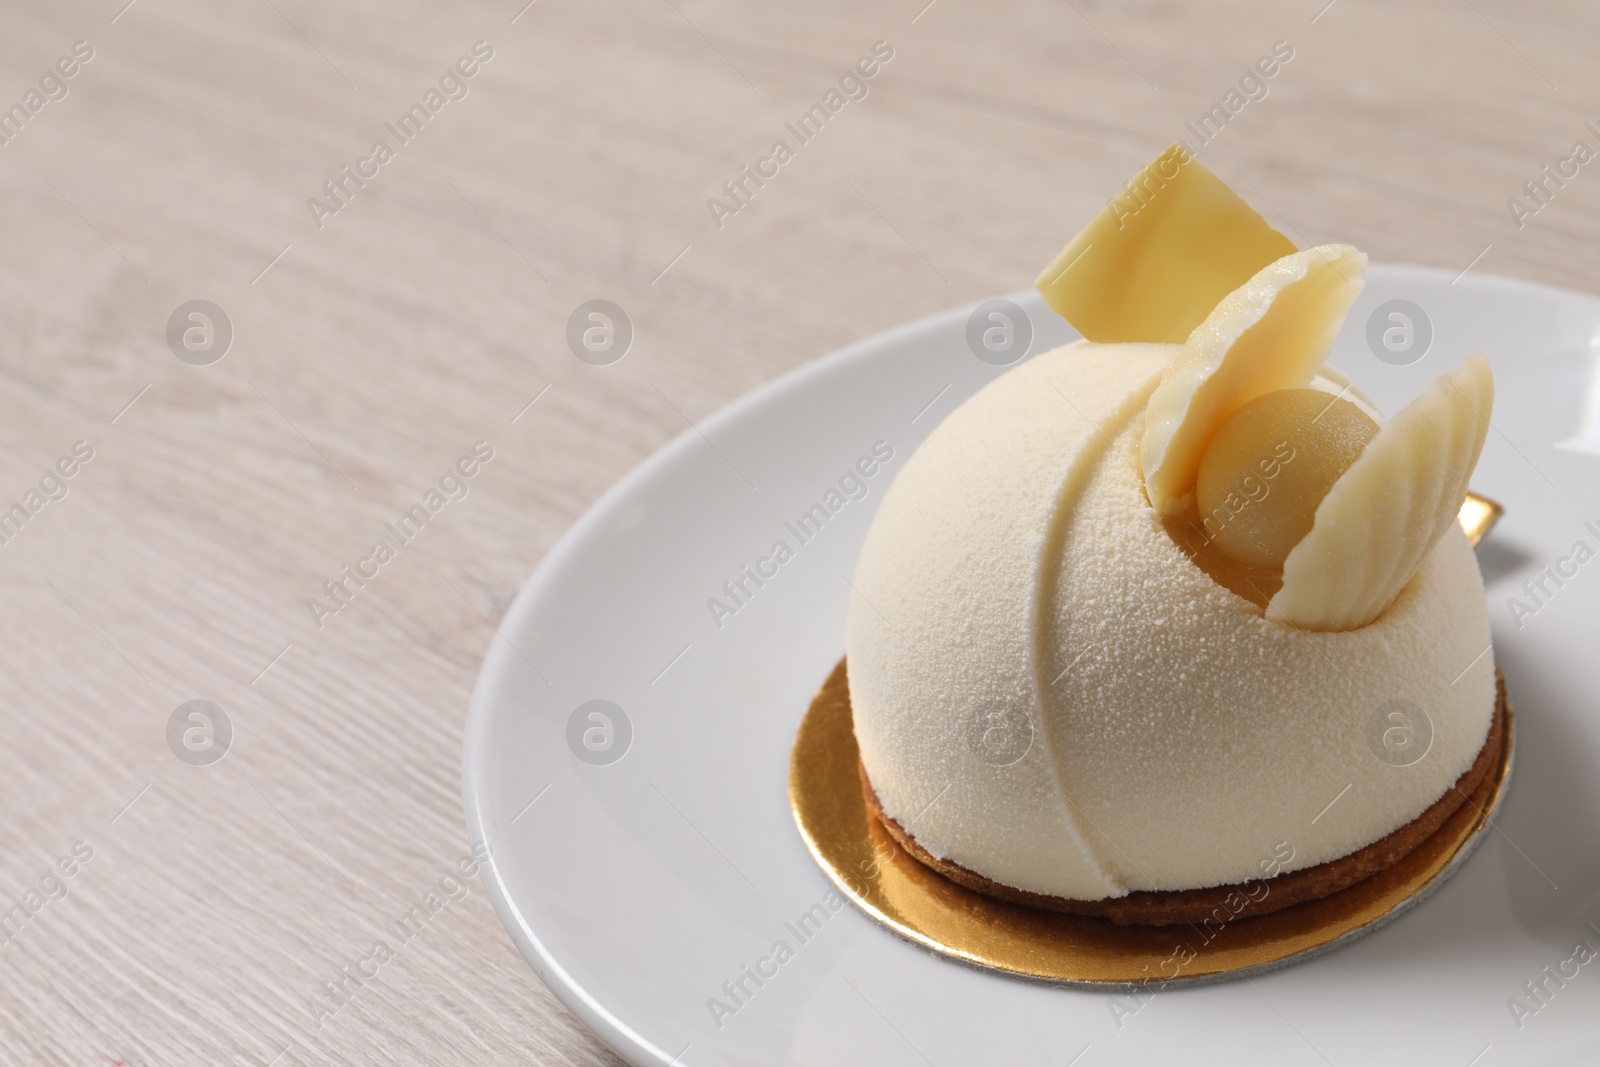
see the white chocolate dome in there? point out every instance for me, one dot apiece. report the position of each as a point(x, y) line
point(1155, 730)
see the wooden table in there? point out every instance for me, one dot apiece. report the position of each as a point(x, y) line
point(373, 345)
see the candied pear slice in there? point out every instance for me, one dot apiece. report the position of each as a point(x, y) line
point(1270, 333)
point(1384, 515)
point(1155, 261)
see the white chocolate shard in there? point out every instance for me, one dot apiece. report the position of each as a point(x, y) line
point(1155, 261)
point(1384, 515)
point(1273, 332)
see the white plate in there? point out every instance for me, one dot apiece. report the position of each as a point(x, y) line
point(638, 888)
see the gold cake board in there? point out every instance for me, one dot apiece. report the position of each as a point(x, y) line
point(872, 870)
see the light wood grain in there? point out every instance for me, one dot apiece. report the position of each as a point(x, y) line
point(425, 315)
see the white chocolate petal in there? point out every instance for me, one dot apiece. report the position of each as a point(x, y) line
point(1384, 515)
point(1270, 333)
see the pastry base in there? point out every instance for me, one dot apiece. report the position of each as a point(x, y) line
point(873, 870)
point(1255, 897)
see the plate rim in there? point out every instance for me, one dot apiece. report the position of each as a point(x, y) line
point(614, 1032)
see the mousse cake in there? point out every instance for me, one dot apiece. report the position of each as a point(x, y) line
point(1173, 613)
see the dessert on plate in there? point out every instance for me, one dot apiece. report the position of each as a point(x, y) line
point(1173, 614)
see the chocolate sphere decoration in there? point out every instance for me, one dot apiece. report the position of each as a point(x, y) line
point(1270, 464)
